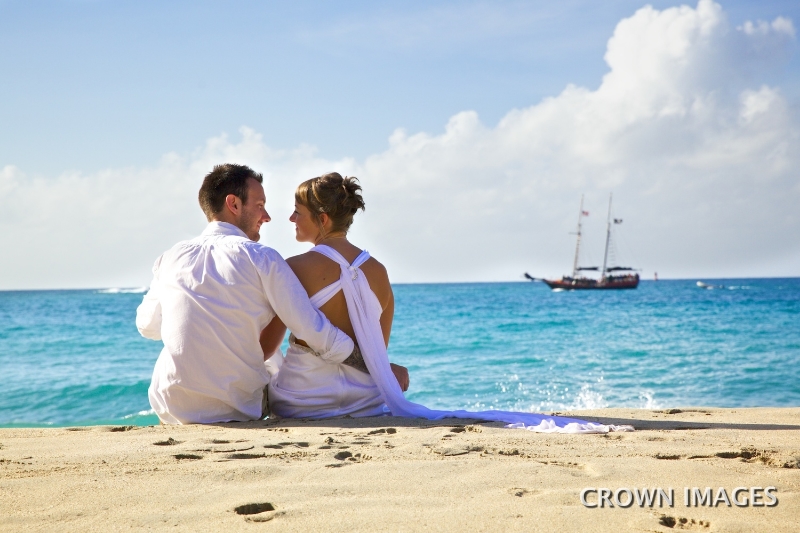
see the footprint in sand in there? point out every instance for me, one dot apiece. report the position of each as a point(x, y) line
point(667, 457)
point(169, 442)
point(183, 456)
point(519, 492)
point(295, 444)
point(451, 452)
point(462, 429)
point(683, 523)
point(257, 512)
point(579, 469)
point(390, 431)
point(348, 457)
point(121, 428)
point(794, 462)
point(282, 445)
point(225, 446)
point(330, 442)
point(246, 456)
point(229, 449)
point(508, 452)
point(748, 455)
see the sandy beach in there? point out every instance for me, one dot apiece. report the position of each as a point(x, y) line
point(394, 474)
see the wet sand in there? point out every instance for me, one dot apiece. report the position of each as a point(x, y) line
point(394, 474)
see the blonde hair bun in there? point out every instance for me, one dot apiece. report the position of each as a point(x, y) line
point(338, 197)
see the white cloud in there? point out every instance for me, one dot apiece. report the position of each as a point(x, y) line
point(779, 25)
point(702, 158)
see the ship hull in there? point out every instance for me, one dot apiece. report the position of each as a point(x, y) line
point(580, 284)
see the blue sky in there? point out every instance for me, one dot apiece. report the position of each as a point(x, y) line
point(92, 88)
point(95, 84)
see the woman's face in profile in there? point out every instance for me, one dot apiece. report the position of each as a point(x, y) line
point(305, 226)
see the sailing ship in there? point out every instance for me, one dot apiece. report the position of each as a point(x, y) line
point(611, 277)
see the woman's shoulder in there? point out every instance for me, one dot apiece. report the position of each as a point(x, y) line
point(313, 262)
point(310, 261)
point(376, 268)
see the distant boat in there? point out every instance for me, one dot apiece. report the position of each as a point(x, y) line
point(608, 277)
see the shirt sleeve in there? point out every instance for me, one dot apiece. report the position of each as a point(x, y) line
point(290, 301)
point(148, 314)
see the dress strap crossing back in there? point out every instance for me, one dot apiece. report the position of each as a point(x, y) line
point(324, 295)
point(333, 255)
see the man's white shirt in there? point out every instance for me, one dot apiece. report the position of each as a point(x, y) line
point(209, 300)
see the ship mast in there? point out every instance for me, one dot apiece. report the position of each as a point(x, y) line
point(608, 238)
point(578, 243)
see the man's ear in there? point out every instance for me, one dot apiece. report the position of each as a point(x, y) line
point(233, 203)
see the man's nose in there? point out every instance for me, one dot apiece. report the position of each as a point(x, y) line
point(266, 217)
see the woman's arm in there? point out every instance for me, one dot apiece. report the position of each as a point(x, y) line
point(387, 316)
point(272, 337)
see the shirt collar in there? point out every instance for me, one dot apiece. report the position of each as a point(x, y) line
point(223, 228)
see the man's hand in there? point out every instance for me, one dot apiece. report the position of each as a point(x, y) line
point(401, 373)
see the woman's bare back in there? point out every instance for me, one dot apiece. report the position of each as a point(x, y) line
point(315, 272)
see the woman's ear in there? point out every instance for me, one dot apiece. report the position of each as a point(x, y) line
point(324, 221)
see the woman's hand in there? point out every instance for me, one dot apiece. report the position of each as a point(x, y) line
point(401, 373)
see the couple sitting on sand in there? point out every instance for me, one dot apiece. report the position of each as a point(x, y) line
point(221, 303)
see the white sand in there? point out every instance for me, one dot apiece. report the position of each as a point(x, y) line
point(423, 477)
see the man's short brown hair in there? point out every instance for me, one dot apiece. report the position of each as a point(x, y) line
point(224, 180)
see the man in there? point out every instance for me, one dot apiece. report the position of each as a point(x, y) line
point(209, 301)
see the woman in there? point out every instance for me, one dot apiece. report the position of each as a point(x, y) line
point(307, 386)
point(353, 291)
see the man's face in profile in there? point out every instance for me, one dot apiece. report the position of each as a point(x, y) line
point(253, 212)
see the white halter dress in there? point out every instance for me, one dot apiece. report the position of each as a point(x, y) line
point(307, 386)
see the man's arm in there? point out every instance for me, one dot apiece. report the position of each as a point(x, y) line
point(272, 337)
point(290, 301)
point(148, 314)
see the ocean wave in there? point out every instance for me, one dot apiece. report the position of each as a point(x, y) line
point(587, 399)
point(648, 401)
point(146, 412)
point(118, 290)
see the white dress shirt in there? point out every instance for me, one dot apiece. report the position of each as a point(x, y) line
point(209, 300)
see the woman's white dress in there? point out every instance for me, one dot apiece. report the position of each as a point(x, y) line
point(306, 386)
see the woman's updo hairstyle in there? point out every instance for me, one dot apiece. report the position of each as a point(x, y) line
point(337, 197)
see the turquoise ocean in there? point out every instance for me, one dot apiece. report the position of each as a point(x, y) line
point(75, 357)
